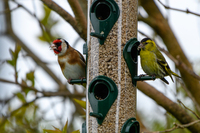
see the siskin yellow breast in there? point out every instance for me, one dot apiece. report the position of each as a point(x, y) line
point(149, 64)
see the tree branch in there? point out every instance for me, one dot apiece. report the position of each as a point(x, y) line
point(80, 17)
point(175, 9)
point(48, 94)
point(189, 109)
point(83, 4)
point(66, 16)
point(176, 126)
point(179, 113)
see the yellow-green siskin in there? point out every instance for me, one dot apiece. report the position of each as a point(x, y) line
point(153, 62)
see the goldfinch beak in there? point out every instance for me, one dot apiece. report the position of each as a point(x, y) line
point(53, 46)
point(140, 46)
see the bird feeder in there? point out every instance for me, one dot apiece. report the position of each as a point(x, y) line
point(111, 94)
point(103, 15)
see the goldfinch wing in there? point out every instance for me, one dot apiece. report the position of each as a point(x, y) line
point(81, 57)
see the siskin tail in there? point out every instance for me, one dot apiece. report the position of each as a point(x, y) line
point(173, 73)
point(164, 80)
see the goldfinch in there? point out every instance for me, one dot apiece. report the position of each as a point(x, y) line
point(72, 62)
point(153, 62)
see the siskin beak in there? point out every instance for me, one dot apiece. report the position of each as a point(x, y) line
point(140, 46)
point(53, 46)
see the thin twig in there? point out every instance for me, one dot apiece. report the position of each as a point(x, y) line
point(176, 126)
point(9, 10)
point(22, 85)
point(189, 94)
point(48, 94)
point(175, 9)
point(189, 109)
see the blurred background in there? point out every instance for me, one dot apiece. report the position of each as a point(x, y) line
point(34, 94)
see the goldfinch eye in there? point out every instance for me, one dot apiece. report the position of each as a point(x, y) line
point(58, 44)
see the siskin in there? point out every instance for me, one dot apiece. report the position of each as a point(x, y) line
point(153, 62)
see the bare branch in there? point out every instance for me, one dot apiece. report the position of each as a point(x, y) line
point(79, 15)
point(175, 9)
point(66, 16)
point(83, 4)
point(176, 126)
point(189, 94)
point(179, 113)
point(22, 85)
point(189, 109)
point(48, 94)
point(9, 10)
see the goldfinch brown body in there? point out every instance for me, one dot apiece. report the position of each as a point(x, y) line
point(153, 62)
point(72, 62)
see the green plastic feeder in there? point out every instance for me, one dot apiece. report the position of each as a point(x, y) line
point(131, 126)
point(102, 93)
point(103, 15)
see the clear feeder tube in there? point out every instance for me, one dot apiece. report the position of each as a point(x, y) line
point(108, 60)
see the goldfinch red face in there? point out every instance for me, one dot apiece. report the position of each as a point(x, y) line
point(59, 46)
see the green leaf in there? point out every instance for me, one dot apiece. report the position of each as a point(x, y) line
point(80, 102)
point(65, 127)
point(14, 55)
point(41, 38)
point(51, 131)
point(25, 89)
point(11, 62)
point(56, 129)
point(77, 131)
point(30, 76)
point(21, 97)
point(17, 50)
point(28, 131)
point(47, 15)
